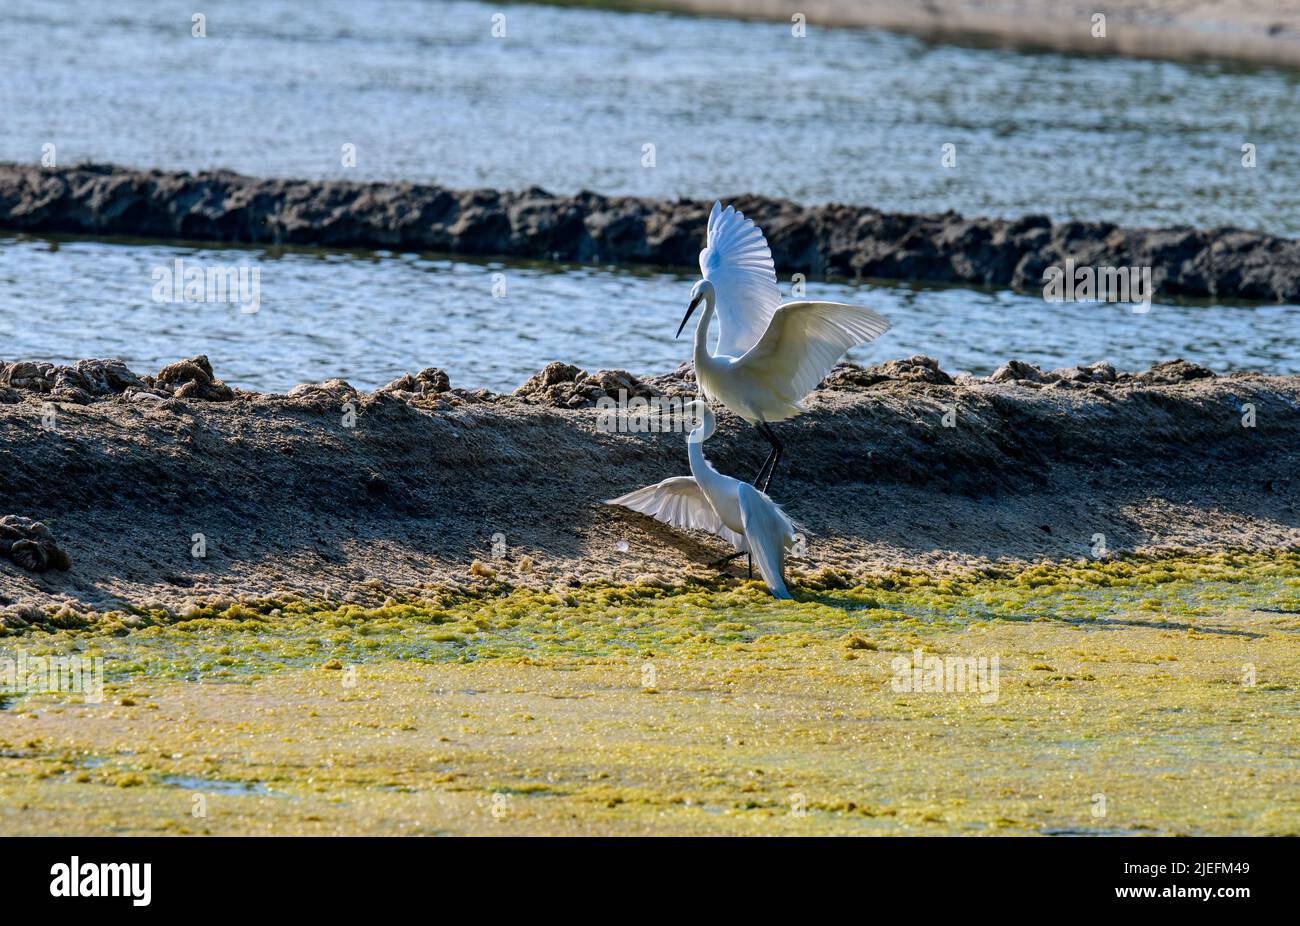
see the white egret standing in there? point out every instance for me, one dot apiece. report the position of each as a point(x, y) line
point(710, 501)
point(769, 356)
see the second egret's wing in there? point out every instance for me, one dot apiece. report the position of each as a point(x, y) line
point(679, 502)
point(738, 262)
point(767, 531)
point(805, 340)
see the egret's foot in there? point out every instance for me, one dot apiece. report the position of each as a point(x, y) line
point(726, 559)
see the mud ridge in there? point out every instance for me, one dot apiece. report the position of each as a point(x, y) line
point(832, 241)
point(328, 492)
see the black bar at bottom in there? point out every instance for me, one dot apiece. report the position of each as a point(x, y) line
point(333, 875)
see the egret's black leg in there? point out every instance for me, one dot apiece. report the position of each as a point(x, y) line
point(763, 470)
point(769, 465)
point(749, 559)
point(727, 559)
point(775, 457)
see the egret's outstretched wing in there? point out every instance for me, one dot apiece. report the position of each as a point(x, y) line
point(678, 502)
point(738, 262)
point(804, 341)
point(767, 531)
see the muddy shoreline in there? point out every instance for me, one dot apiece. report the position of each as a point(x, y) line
point(431, 486)
point(1263, 32)
point(832, 241)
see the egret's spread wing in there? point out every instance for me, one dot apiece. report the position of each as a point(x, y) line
point(768, 531)
point(738, 262)
point(678, 502)
point(805, 340)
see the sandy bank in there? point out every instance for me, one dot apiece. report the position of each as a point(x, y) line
point(837, 241)
point(292, 497)
point(1256, 31)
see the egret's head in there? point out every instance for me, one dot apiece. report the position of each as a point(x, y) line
point(702, 290)
point(698, 411)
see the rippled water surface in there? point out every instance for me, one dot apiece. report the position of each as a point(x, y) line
point(569, 98)
point(371, 317)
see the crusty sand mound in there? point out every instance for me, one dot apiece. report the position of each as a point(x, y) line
point(353, 496)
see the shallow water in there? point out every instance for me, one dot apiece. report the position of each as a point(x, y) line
point(215, 785)
point(567, 100)
point(569, 97)
point(370, 317)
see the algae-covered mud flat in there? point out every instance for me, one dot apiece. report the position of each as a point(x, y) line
point(1145, 695)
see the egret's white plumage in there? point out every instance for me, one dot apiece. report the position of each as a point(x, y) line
point(738, 262)
point(769, 355)
point(708, 500)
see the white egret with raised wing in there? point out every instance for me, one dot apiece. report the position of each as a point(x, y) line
point(710, 501)
point(769, 355)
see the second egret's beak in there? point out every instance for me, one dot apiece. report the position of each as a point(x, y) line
point(687, 316)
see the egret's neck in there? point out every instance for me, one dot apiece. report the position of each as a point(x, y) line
point(702, 354)
point(700, 467)
point(705, 475)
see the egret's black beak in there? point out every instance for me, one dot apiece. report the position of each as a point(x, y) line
point(687, 316)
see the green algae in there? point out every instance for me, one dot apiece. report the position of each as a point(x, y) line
point(891, 611)
point(500, 709)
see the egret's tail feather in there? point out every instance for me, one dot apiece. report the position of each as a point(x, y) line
point(767, 532)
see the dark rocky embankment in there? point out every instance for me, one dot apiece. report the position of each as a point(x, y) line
point(833, 241)
point(110, 480)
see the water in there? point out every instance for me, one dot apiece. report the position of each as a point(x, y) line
point(567, 100)
point(217, 786)
point(371, 317)
point(569, 97)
